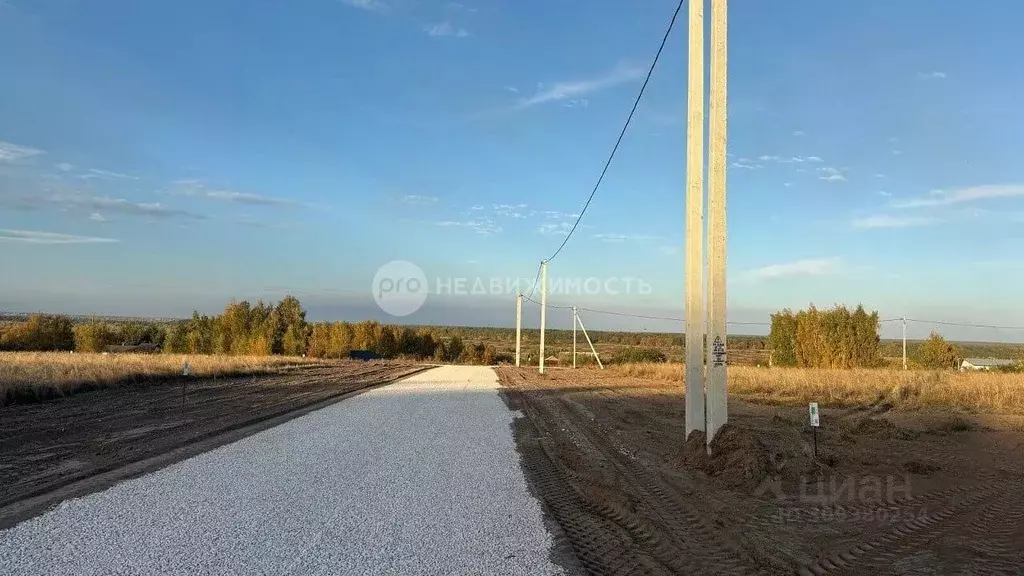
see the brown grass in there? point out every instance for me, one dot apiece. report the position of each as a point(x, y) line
point(41, 375)
point(976, 392)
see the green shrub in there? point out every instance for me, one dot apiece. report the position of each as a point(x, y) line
point(634, 355)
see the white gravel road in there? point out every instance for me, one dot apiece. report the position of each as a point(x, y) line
point(419, 477)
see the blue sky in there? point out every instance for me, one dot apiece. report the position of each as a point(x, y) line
point(157, 157)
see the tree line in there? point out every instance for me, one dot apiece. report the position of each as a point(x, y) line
point(244, 328)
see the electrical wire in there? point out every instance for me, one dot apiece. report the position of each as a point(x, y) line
point(622, 133)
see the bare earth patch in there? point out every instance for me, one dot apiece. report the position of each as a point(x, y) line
point(48, 445)
point(888, 493)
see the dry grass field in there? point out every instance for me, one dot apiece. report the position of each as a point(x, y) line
point(41, 375)
point(906, 390)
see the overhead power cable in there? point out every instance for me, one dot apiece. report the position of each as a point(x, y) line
point(622, 132)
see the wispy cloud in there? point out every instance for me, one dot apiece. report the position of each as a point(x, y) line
point(554, 228)
point(746, 164)
point(248, 198)
point(890, 221)
point(97, 217)
point(418, 200)
point(370, 5)
point(963, 195)
point(197, 188)
point(616, 238)
point(789, 159)
point(445, 29)
point(36, 237)
point(798, 133)
point(897, 152)
point(884, 193)
point(106, 174)
point(935, 75)
point(482, 226)
point(459, 6)
point(65, 167)
point(97, 204)
point(510, 210)
point(830, 174)
point(14, 153)
point(810, 267)
point(578, 88)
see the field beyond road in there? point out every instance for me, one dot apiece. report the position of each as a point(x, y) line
point(49, 445)
point(33, 376)
point(905, 390)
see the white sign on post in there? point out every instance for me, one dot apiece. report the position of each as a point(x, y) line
point(814, 415)
point(186, 370)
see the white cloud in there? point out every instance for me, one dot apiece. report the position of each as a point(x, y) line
point(884, 193)
point(460, 6)
point(830, 174)
point(798, 133)
point(97, 217)
point(510, 210)
point(814, 159)
point(371, 5)
point(555, 228)
point(897, 152)
point(36, 237)
point(578, 88)
point(512, 89)
point(889, 221)
point(964, 195)
point(419, 200)
point(248, 198)
point(879, 175)
point(789, 160)
point(13, 153)
point(787, 184)
point(625, 237)
point(810, 267)
point(445, 29)
point(65, 167)
point(107, 174)
point(937, 75)
point(745, 164)
point(482, 226)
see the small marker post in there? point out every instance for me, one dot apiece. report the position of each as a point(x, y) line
point(815, 423)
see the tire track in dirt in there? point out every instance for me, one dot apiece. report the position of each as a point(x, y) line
point(667, 530)
point(898, 543)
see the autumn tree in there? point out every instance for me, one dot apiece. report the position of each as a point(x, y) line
point(937, 353)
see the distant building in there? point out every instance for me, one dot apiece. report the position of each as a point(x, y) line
point(985, 363)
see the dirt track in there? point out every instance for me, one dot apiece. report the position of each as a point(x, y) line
point(49, 445)
point(606, 456)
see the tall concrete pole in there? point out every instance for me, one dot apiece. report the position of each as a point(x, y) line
point(574, 337)
point(695, 222)
point(519, 325)
point(904, 342)
point(543, 308)
point(717, 390)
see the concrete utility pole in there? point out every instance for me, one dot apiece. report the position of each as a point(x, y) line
point(519, 325)
point(573, 337)
point(904, 342)
point(694, 230)
point(717, 394)
point(543, 308)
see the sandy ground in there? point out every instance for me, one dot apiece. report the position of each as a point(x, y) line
point(418, 477)
point(887, 493)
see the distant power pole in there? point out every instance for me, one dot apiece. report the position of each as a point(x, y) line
point(543, 308)
point(694, 230)
point(904, 342)
point(574, 337)
point(519, 325)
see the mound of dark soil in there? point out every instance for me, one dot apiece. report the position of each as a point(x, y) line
point(880, 428)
